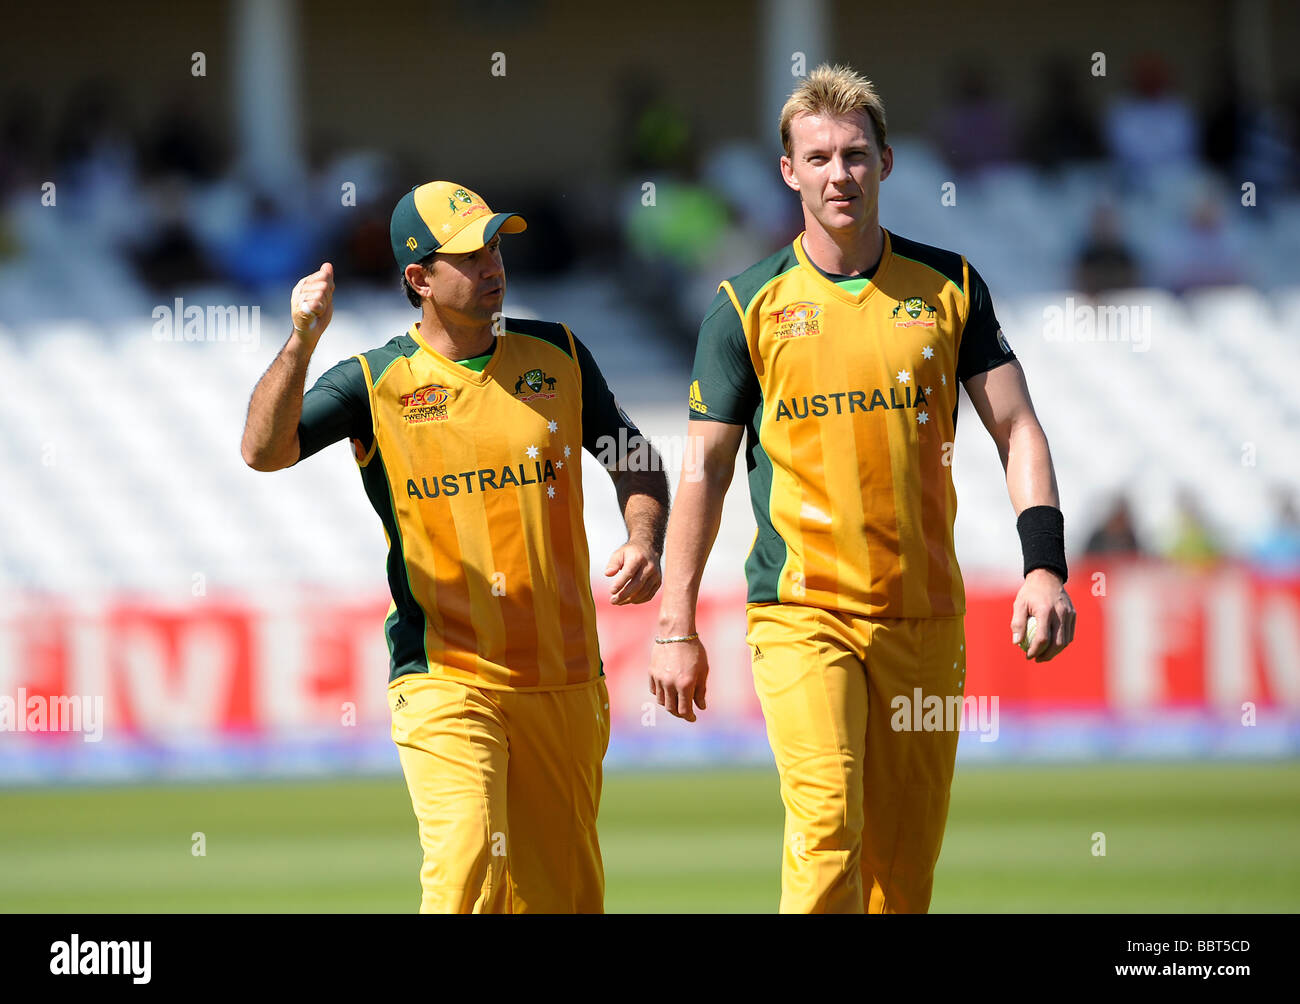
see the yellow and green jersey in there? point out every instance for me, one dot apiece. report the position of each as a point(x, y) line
point(848, 389)
point(475, 472)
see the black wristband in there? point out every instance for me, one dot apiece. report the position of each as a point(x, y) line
point(1042, 539)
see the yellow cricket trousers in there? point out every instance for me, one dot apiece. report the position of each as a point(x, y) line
point(865, 801)
point(506, 788)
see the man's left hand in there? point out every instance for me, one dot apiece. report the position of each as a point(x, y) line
point(1043, 596)
point(637, 574)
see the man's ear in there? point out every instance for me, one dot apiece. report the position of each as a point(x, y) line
point(415, 276)
point(886, 162)
point(787, 173)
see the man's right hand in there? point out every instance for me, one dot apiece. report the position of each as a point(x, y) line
point(679, 671)
point(312, 304)
point(270, 440)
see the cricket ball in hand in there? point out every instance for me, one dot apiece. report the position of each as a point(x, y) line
point(1031, 627)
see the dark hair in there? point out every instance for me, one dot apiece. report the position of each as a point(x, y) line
point(411, 295)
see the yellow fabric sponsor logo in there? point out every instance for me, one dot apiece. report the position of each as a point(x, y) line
point(697, 404)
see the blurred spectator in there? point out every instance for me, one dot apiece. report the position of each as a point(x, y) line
point(974, 130)
point(1277, 549)
point(1116, 535)
point(1288, 131)
point(20, 136)
point(1152, 130)
point(670, 242)
point(179, 159)
point(179, 143)
point(671, 230)
point(1104, 261)
point(655, 134)
point(1203, 251)
point(1268, 155)
point(1245, 140)
point(746, 176)
point(352, 199)
point(1222, 133)
point(1062, 129)
point(1191, 541)
point(271, 247)
point(762, 214)
point(95, 158)
point(165, 251)
point(367, 251)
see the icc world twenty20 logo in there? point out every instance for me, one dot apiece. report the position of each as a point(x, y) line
point(428, 404)
point(797, 320)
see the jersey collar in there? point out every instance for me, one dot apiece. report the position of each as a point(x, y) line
point(835, 288)
point(463, 373)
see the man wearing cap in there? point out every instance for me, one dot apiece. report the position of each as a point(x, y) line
point(467, 431)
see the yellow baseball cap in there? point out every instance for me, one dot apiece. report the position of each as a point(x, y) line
point(444, 216)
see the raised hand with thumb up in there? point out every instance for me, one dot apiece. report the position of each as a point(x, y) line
point(312, 303)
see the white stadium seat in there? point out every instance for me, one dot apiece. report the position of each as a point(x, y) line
point(121, 457)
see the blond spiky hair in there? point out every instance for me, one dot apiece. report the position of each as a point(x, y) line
point(834, 90)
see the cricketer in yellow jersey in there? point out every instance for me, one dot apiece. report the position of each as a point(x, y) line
point(839, 357)
point(467, 431)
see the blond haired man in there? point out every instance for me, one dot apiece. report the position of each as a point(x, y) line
point(840, 356)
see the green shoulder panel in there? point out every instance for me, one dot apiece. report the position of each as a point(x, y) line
point(749, 282)
point(546, 331)
point(378, 360)
point(947, 263)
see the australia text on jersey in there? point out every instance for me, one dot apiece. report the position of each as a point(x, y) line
point(819, 405)
point(487, 479)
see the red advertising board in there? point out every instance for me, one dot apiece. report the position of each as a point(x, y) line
point(1150, 638)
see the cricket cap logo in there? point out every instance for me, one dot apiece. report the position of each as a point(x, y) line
point(446, 217)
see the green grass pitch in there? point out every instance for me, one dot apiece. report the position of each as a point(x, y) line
point(1179, 838)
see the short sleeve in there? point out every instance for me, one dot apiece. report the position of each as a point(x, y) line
point(601, 415)
point(724, 387)
point(336, 407)
point(983, 346)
